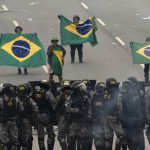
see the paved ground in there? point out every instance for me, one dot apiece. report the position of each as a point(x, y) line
point(119, 23)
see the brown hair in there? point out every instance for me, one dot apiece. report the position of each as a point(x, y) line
point(148, 39)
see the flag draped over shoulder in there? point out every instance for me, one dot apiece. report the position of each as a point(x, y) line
point(21, 50)
point(78, 34)
point(140, 52)
point(57, 61)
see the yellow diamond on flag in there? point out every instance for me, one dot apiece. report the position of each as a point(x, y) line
point(144, 51)
point(82, 30)
point(21, 48)
point(59, 55)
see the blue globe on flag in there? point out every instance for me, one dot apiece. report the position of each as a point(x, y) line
point(84, 28)
point(147, 51)
point(21, 49)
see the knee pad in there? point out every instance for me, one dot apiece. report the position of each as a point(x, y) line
point(41, 139)
point(99, 144)
point(41, 142)
point(30, 139)
point(71, 140)
point(148, 134)
point(50, 140)
point(3, 146)
point(108, 143)
point(62, 139)
point(14, 147)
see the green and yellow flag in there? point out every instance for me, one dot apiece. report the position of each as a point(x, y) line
point(21, 50)
point(140, 52)
point(78, 34)
point(57, 61)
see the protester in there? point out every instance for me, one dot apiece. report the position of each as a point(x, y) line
point(18, 30)
point(76, 20)
point(56, 54)
point(146, 66)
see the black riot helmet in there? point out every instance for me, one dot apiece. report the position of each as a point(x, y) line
point(79, 88)
point(112, 85)
point(100, 87)
point(111, 82)
point(7, 89)
point(44, 84)
point(65, 85)
point(75, 85)
point(24, 89)
point(133, 79)
point(87, 83)
point(136, 86)
point(126, 87)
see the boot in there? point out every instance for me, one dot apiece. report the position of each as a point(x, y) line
point(19, 70)
point(25, 71)
point(80, 61)
point(50, 146)
point(42, 148)
point(146, 78)
point(30, 146)
point(72, 61)
point(124, 147)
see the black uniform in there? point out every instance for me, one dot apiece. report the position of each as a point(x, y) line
point(112, 123)
point(77, 110)
point(25, 126)
point(11, 108)
point(61, 117)
point(147, 107)
point(132, 116)
point(98, 105)
point(45, 118)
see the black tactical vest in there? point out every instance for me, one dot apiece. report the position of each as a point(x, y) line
point(10, 107)
point(39, 97)
point(98, 101)
point(28, 109)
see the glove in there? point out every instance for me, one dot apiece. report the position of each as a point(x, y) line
point(79, 112)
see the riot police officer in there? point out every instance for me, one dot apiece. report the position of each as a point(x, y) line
point(12, 109)
point(77, 107)
point(147, 107)
point(112, 123)
point(98, 107)
point(65, 92)
point(132, 115)
point(44, 98)
point(90, 91)
point(28, 116)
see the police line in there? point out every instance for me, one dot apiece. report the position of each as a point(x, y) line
point(91, 84)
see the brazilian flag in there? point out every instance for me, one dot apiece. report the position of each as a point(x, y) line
point(57, 61)
point(78, 34)
point(140, 52)
point(21, 50)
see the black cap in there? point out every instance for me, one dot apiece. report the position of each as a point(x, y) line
point(18, 28)
point(76, 16)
